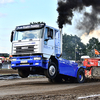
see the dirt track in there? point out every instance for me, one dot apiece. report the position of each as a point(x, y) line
point(8, 71)
point(40, 89)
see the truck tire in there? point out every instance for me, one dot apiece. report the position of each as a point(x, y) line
point(23, 73)
point(52, 70)
point(80, 76)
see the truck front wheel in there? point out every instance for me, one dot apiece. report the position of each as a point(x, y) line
point(80, 76)
point(23, 73)
point(52, 70)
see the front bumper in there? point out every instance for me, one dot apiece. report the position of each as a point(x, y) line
point(26, 61)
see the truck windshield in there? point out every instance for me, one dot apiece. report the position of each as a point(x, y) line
point(28, 34)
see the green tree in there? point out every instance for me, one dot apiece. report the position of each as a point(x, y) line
point(93, 44)
point(72, 44)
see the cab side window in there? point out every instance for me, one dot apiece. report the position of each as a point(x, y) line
point(51, 33)
point(48, 34)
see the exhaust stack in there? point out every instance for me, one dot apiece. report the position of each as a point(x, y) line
point(61, 40)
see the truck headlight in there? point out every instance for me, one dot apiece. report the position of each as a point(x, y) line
point(37, 58)
point(13, 59)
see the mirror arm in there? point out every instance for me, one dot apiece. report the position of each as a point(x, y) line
point(46, 39)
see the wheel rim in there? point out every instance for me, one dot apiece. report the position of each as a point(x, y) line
point(52, 70)
point(81, 77)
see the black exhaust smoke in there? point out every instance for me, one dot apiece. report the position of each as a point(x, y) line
point(66, 8)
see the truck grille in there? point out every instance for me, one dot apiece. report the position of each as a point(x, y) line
point(24, 49)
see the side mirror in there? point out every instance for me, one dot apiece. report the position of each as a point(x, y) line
point(12, 36)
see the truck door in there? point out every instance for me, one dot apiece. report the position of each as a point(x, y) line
point(48, 48)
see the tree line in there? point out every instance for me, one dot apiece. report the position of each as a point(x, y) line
point(73, 48)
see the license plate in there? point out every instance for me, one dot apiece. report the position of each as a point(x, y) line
point(24, 64)
point(23, 61)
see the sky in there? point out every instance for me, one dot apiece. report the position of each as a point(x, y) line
point(21, 12)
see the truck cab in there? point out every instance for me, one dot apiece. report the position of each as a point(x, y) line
point(36, 39)
point(37, 48)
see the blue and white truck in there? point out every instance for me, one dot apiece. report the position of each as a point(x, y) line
point(37, 49)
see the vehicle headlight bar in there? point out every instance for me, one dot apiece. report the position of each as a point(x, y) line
point(13, 59)
point(37, 58)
